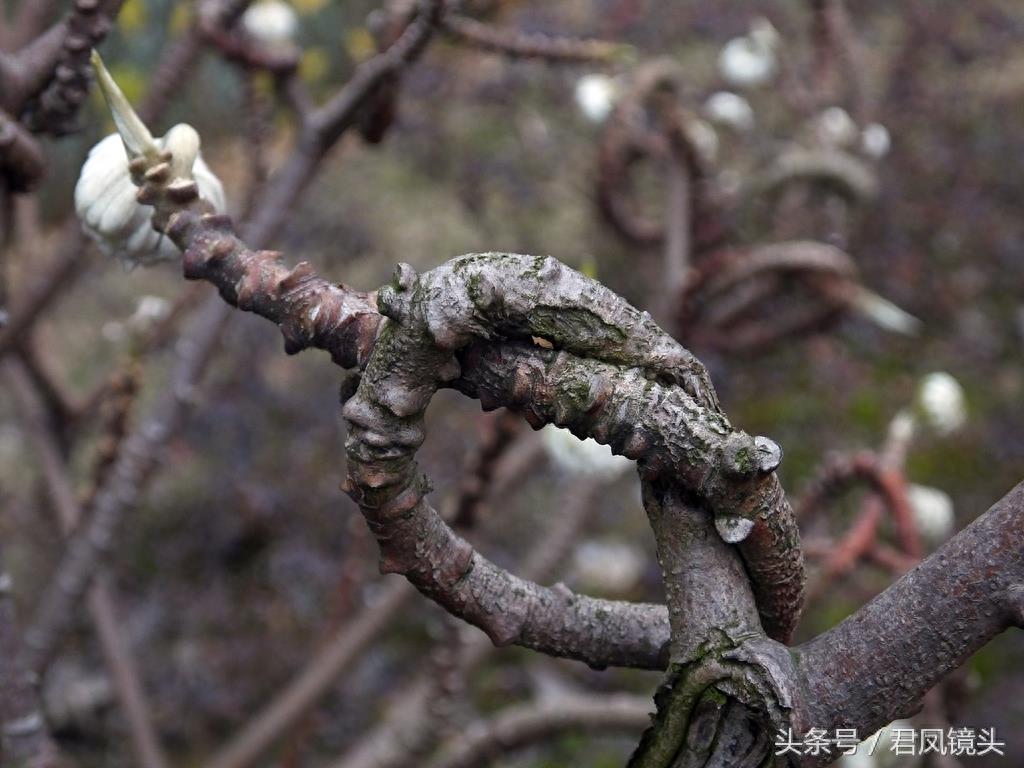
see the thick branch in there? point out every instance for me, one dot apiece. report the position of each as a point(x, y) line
point(876, 665)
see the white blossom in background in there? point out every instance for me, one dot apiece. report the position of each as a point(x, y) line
point(148, 312)
point(272, 23)
point(595, 96)
point(612, 568)
point(729, 109)
point(105, 195)
point(582, 457)
point(704, 139)
point(933, 512)
point(875, 141)
point(836, 129)
point(751, 61)
point(941, 402)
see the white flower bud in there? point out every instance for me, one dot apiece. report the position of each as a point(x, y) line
point(940, 399)
point(611, 568)
point(875, 141)
point(750, 61)
point(272, 23)
point(933, 512)
point(595, 96)
point(704, 139)
point(105, 196)
point(582, 457)
point(836, 129)
point(730, 110)
point(121, 226)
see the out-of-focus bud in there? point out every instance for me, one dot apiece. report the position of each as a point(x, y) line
point(105, 197)
point(875, 141)
point(272, 23)
point(941, 402)
point(704, 139)
point(933, 512)
point(595, 96)
point(836, 129)
point(610, 568)
point(582, 457)
point(730, 110)
point(750, 61)
point(148, 313)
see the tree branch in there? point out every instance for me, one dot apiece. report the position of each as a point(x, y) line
point(877, 664)
point(527, 724)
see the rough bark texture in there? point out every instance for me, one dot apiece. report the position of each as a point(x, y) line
point(876, 665)
point(531, 334)
point(729, 688)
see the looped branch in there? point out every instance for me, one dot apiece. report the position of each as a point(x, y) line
point(649, 124)
point(730, 296)
point(611, 374)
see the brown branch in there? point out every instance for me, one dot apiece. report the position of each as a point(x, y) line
point(312, 312)
point(315, 680)
point(522, 45)
point(650, 124)
point(100, 600)
point(877, 664)
point(349, 642)
point(24, 739)
point(499, 432)
point(409, 728)
point(141, 449)
point(526, 724)
point(54, 110)
point(69, 263)
point(22, 163)
point(328, 122)
point(93, 540)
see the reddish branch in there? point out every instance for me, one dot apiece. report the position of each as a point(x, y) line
point(459, 326)
point(650, 124)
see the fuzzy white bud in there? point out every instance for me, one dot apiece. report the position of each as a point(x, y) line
point(875, 141)
point(105, 196)
point(272, 23)
point(730, 110)
point(836, 129)
point(933, 512)
point(941, 401)
point(750, 61)
point(704, 139)
point(110, 214)
point(595, 96)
